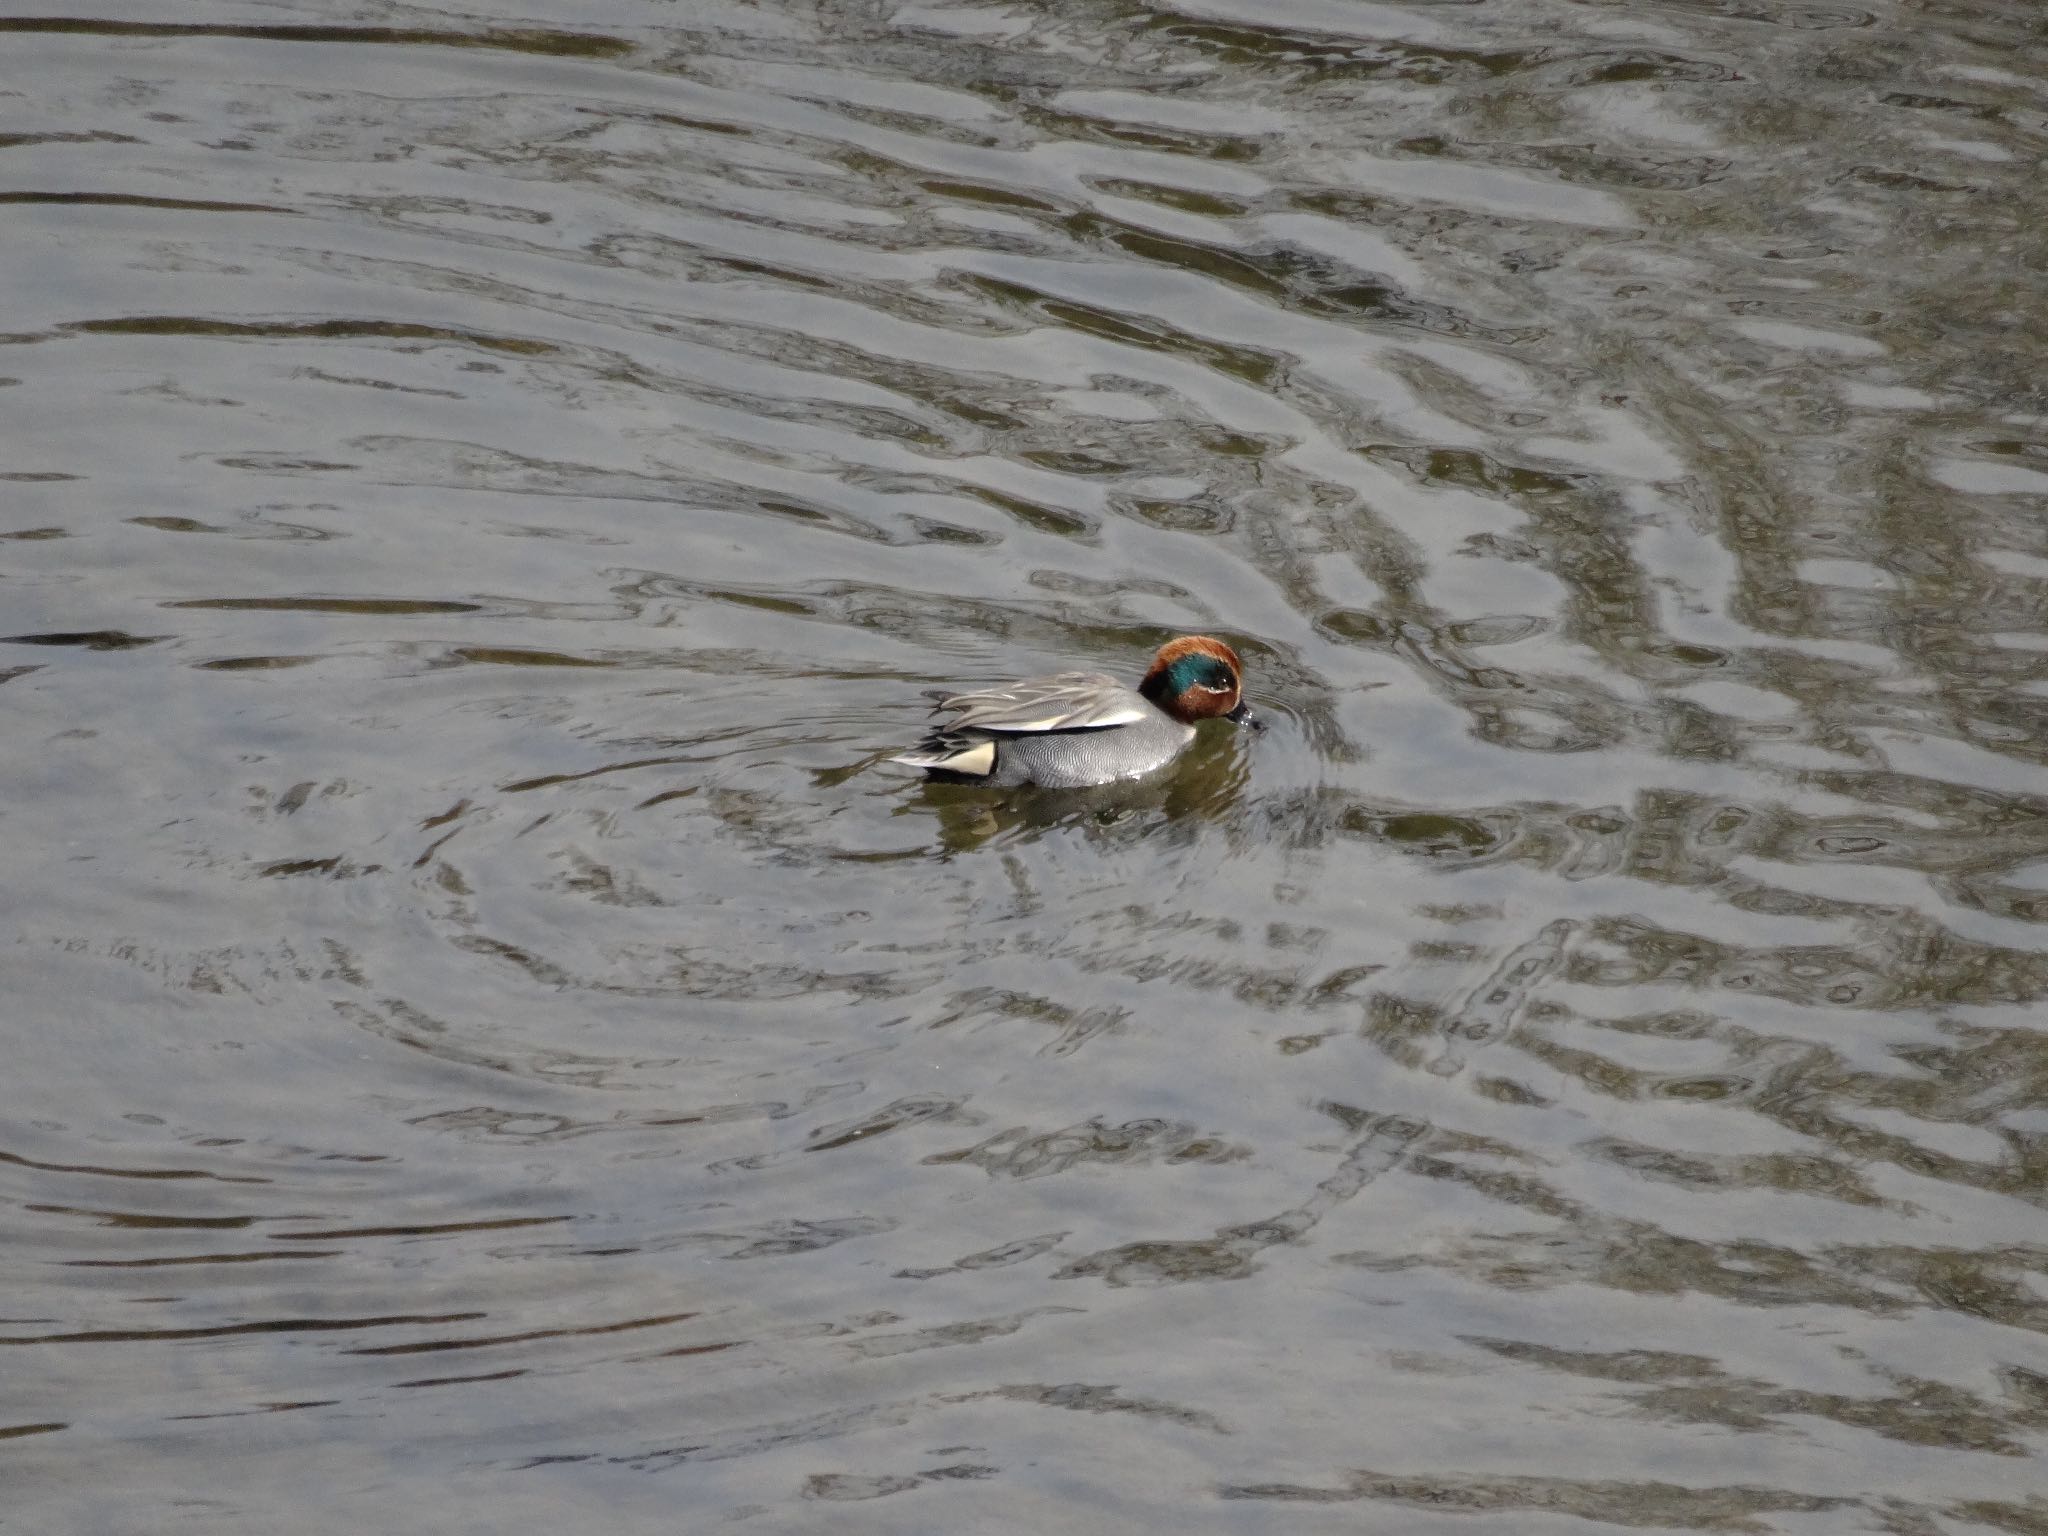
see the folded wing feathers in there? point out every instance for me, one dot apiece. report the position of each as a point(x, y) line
point(1067, 701)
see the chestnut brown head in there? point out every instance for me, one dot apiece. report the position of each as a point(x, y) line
point(1197, 677)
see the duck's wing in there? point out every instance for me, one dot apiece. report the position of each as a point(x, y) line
point(965, 744)
point(1066, 701)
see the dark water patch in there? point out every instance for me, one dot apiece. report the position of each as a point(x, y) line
point(457, 1381)
point(1017, 1153)
point(993, 196)
point(1219, 144)
point(424, 1229)
point(25, 140)
point(20, 1161)
point(584, 45)
point(1430, 834)
point(243, 1413)
point(1130, 330)
point(139, 1221)
point(1298, 54)
point(892, 1117)
point(550, 781)
point(1232, 1252)
point(280, 330)
point(88, 639)
point(186, 1259)
point(175, 524)
point(492, 1341)
point(1581, 164)
point(1039, 516)
point(507, 656)
point(239, 1330)
point(134, 200)
point(1637, 1504)
point(1092, 1397)
point(334, 865)
point(255, 663)
point(398, 606)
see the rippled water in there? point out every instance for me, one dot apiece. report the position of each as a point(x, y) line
point(493, 1043)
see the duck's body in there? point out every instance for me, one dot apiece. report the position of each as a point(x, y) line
point(1075, 729)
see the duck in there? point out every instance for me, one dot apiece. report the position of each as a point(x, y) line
point(1075, 729)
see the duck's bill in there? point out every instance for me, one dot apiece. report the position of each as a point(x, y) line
point(1242, 715)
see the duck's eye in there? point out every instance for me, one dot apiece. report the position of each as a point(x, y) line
point(1214, 687)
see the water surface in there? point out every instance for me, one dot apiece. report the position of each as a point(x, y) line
point(494, 1043)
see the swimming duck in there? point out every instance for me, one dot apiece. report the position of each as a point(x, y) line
point(1079, 728)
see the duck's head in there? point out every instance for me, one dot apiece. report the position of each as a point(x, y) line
point(1195, 678)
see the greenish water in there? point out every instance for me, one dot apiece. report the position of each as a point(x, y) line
point(491, 1043)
